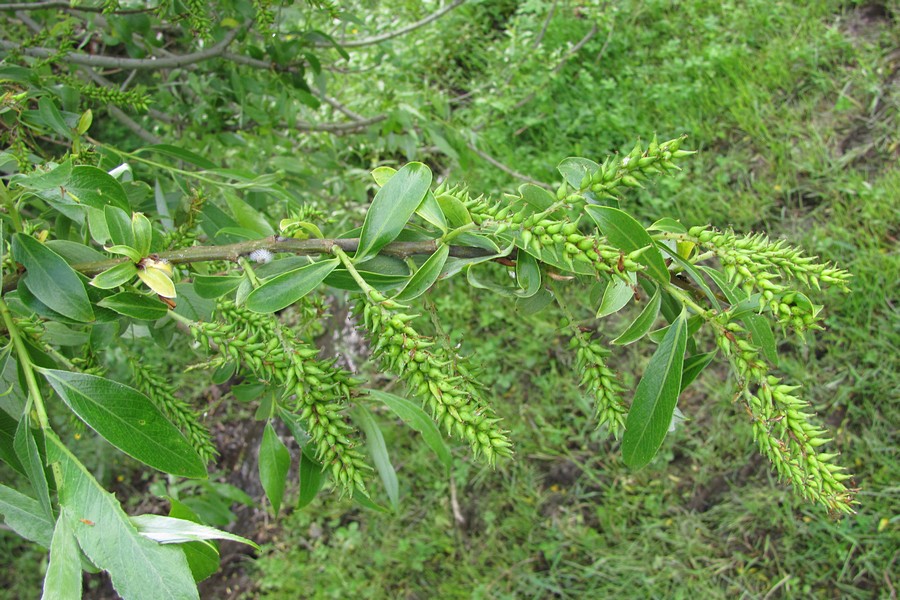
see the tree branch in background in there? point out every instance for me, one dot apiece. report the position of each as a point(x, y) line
point(506, 169)
point(393, 34)
point(114, 62)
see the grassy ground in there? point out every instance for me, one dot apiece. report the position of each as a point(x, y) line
point(795, 110)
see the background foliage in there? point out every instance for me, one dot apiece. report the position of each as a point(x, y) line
point(794, 109)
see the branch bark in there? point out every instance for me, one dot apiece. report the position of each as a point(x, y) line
point(231, 252)
point(114, 62)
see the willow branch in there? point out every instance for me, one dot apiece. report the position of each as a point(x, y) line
point(66, 5)
point(393, 34)
point(339, 128)
point(232, 252)
point(114, 62)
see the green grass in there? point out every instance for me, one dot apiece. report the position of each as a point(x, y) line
point(795, 110)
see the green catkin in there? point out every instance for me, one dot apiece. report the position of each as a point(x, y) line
point(757, 264)
point(178, 412)
point(782, 428)
point(315, 390)
point(601, 382)
point(432, 373)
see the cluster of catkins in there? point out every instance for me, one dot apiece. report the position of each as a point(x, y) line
point(782, 428)
point(177, 411)
point(316, 390)
point(755, 263)
point(432, 374)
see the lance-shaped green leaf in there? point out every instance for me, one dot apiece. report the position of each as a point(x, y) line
point(456, 212)
point(51, 279)
point(140, 569)
point(27, 451)
point(179, 154)
point(202, 557)
point(53, 118)
point(25, 516)
point(115, 276)
point(128, 420)
point(274, 464)
point(413, 415)
point(311, 478)
point(655, 398)
point(431, 211)
point(382, 175)
point(378, 451)
point(425, 277)
point(143, 233)
point(575, 168)
point(172, 530)
point(96, 188)
point(285, 289)
point(118, 225)
point(136, 306)
point(158, 281)
point(694, 274)
point(528, 275)
point(392, 207)
point(642, 324)
point(693, 365)
point(617, 294)
point(627, 234)
point(63, 578)
point(214, 286)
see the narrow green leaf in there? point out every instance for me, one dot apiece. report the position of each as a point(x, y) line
point(431, 211)
point(693, 365)
point(41, 180)
point(476, 279)
point(655, 398)
point(274, 463)
point(285, 289)
point(215, 286)
point(382, 175)
point(136, 306)
point(534, 304)
point(378, 451)
point(413, 415)
point(63, 578)
point(574, 168)
point(27, 451)
point(191, 306)
point(694, 274)
point(426, 276)
point(627, 234)
point(158, 281)
point(140, 569)
point(52, 118)
point(96, 188)
point(128, 420)
point(536, 197)
point(456, 212)
point(617, 294)
point(170, 530)
point(668, 224)
point(143, 233)
point(311, 478)
point(25, 516)
point(528, 275)
point(51, 279)
point(8, 427)
point(248, 217)
point(178, 154)
point(202, 557)
point(119, 225)
point(642, 324)
point(115, 276)
point(392, 207)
